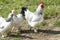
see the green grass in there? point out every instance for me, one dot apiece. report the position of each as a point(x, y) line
point(10, 38)
point(49, 10)
point(44, 23)
point(16, 39)
point(57, 23)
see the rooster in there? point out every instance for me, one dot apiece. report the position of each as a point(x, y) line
point(34, 18)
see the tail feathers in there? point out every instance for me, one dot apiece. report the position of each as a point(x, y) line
point(23, 10)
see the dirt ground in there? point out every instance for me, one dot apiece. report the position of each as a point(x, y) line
point(49, 32)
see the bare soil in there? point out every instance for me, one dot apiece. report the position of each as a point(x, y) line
point(49, 32)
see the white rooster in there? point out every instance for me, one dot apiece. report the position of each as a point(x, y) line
point(34, 18)
point(6, 26)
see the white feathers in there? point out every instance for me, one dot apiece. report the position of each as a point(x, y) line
point(6, 26)
point(17, 21)
point(28, 15)
point(34, 18)
point(2, 20)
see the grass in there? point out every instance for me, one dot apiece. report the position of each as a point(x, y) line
point(51, 11)
point(16, 39)
point(44, 23)
point(57, 23)
point(10, 39)
point(6, 6)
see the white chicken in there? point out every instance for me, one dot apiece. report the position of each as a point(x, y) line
point(2, 19)
point(17, 21)
point(6, 26)
point(34, 18)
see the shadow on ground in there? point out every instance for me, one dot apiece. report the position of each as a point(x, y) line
point(20, 36)
point(43, 31)
point(31, 31)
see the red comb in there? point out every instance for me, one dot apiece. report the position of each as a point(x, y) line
point(41, 2)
